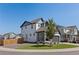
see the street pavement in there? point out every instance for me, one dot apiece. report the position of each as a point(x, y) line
point(70, 51)
point(39, 53)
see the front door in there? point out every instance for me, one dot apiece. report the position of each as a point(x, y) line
point(40, 36)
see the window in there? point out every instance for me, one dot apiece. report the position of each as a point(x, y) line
point(32, 26)
point(39, 25)
point(25, 27)
point(42, 25)
point(22, 28)
point(26, 36)
point(30, 34)
point(33, 34)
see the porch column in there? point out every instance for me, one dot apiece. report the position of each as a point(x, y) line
point(37, 38)
point(76, 39)
point(44, 37)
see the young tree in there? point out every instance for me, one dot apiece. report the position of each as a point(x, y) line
point(50, 31)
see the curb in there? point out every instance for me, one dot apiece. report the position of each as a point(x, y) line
point(47, 50)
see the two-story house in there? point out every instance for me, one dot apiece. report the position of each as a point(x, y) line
point(68, 33)
point(71, 33)
point(34, 31)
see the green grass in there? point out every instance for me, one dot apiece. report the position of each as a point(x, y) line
point(55, 46)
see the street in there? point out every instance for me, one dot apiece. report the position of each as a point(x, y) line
point(39, 53)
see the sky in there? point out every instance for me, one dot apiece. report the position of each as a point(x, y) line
point(13, 15)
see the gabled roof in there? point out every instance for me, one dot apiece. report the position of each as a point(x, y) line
point(10, 33)
point(36, 20)
point(59, 26)
point(72, 26)
point(60, 29)
point(25, 23)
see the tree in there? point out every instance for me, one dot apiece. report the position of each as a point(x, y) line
point(50, 31)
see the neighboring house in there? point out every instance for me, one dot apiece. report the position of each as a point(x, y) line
point(57, 37)
point(34, 31)
point(61, 32)
point(10, 35)
point(68, 33)
point(1, 37)
point(71, 33)
point(19, 36)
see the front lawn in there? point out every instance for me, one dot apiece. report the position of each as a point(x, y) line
point(55, 46)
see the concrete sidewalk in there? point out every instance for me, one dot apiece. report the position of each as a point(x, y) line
point(41, 50)
point(47, 50)
point(77, 44)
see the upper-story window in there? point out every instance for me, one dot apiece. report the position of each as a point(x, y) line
point(30, 34)
point(26, 36)
point(33, 34)
point(39, 25)
point(42, 25)
point(32, 26)
point(22, 28)
point(25, 27)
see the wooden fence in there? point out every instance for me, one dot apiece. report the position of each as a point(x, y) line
point(11, 41)
point(1, 42)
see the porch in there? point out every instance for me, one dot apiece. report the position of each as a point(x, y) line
point(41, 37)
point(70, 38)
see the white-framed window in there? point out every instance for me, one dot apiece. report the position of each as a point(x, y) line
point(30, 34)
point(32, 26)
point(42, 24)
point(39, 25)
point(22, 28)
point(26, 36)
point(33, 34)
point(25, 27)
